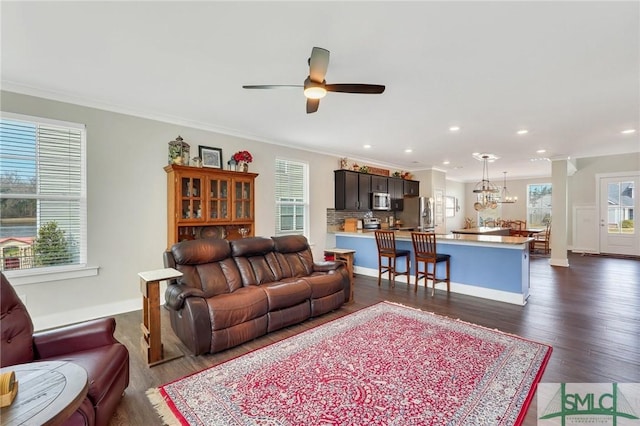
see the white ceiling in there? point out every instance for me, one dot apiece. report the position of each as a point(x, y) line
point(566, 71)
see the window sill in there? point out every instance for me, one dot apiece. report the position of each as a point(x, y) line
point(43, 275)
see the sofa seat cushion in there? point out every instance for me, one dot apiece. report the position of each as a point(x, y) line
point(244, 304)
point(283, 294)
point(324, 284)
point(104, 365)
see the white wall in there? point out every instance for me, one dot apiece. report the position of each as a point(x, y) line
point(457, 190)
point(127, 230)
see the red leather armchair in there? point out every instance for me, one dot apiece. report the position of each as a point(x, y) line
point(90, 345)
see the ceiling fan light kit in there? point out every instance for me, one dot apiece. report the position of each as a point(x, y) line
point(313, 90)
point(316, 87)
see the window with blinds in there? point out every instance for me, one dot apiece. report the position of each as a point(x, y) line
point(292, 206)
point(42, 193)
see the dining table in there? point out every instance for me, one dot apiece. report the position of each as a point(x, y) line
point(529, 232)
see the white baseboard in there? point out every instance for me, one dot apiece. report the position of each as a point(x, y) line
point(469, 290)
point(83, 314)
point(564, 262)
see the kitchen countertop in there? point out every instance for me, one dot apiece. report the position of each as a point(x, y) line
point(480, 230)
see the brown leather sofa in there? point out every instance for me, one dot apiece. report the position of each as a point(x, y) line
point(90, 345)
point(234, 291)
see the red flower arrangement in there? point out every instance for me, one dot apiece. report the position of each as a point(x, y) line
point(242, 156)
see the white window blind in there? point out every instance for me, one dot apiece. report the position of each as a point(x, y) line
point(42, 193)
point(292, 204)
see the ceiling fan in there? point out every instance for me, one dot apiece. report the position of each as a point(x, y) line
point(316, 87)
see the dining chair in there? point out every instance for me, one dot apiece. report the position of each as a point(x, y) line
point(516, 227)
point(386, 242)
point(542, 239)
point(424, 248)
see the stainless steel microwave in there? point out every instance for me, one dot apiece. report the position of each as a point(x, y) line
point(380, 201)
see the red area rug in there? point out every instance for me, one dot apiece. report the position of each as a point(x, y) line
point(383, 365)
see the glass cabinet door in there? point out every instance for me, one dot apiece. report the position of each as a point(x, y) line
point(190, 198)
point(219, 199)
point(242, 200)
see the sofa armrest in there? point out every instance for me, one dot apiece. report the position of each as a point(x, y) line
point(327, 266)
point(74, 338)
point(176, 294)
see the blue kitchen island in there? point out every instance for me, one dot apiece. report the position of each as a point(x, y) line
point(488, 266)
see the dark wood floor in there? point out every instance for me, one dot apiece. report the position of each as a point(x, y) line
point(589, 314)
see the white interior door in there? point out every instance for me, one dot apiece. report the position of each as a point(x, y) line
point(618, 222)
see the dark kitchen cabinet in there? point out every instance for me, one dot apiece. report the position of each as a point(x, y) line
point(352, 190)
point(379, 184)
point(364, 191)
point(411, 188)
point(396, 191)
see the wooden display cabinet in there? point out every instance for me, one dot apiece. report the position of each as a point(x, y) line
point(203, 202)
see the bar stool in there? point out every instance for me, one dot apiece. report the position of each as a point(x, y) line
point(424, 248)
point(386, 241)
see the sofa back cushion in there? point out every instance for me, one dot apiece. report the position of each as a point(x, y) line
point(206, 264)
point(294, 255)
point(256, 260)
point(16, 327)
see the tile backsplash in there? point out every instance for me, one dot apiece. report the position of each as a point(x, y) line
point(335, 218)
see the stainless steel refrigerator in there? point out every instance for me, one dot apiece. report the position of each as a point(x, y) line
point(417, 214)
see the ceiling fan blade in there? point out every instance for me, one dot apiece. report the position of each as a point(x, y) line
point(312, 105)
point(356, 88)
point(318, 64)
point(273, 86)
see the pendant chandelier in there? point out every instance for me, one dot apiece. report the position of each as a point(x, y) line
point(505, 197)
point(487, 193)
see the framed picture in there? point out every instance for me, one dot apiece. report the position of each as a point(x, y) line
point(211, 157)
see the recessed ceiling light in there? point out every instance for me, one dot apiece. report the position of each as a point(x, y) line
point(541, 151)
point(522, 132)
point(475, 154)
point(454, 128)
point(628, 131)
point(446, 163)
point(408, 150)
point(367, 146)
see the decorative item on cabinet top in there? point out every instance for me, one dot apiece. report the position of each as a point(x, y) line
point(242, 159)
point(179, 152)
point(211, 157)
